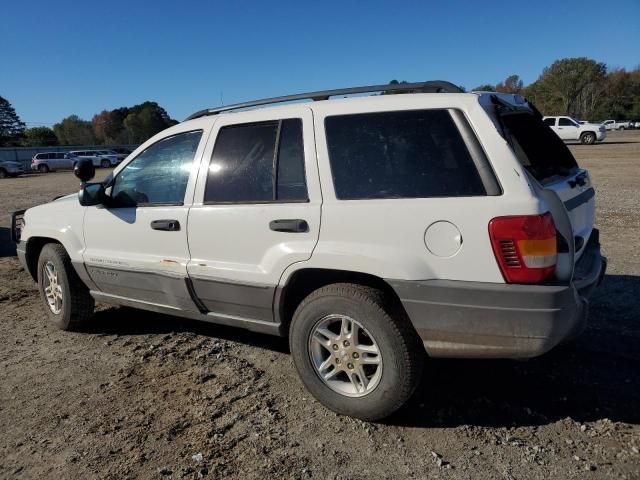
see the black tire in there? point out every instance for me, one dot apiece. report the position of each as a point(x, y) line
point(3, 173)
point(400, 348)
point(105, 163)
point(43, 168)
point(588, 138)
point(77, 304)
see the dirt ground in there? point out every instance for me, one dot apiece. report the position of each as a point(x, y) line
point(140, 395)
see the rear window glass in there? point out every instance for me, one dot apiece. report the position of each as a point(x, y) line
point(538, 148)
point(405, 154)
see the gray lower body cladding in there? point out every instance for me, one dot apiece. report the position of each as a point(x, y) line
point(482, 320)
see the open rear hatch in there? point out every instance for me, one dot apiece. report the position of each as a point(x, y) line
point(565, 187)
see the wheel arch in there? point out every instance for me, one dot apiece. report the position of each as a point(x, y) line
point(32, 253)
point(305, 280)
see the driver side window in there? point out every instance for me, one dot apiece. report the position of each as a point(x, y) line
point(159, 175)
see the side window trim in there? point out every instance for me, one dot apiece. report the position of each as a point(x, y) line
point(274, 172)
point(112, 181)
point(478, 155)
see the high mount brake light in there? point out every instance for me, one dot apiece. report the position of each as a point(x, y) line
point(525, 247)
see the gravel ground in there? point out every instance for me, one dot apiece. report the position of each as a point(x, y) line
point(140, 395)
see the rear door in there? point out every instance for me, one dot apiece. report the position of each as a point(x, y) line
point(256, 210)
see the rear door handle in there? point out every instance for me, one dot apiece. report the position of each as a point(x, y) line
point(295, 225)
point(166, 225)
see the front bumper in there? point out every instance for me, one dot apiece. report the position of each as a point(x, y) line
point(601, 135)
point(483, 320)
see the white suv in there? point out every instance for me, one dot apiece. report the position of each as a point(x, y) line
point(99, 158)
point(569, 129)
point(369, 230)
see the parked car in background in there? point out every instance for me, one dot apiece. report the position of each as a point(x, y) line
point(121, 152)
point(104, 160)
point(10, 169)
point(569, 129)
point(615, 125)
point(635, 124)
point(45, 162)
point(111, 155)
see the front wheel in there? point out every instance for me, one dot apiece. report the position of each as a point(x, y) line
point(43, 168)
point(587, 138)
point(66, 299)
point(355, 350)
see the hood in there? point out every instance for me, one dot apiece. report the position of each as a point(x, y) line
point(66, 198)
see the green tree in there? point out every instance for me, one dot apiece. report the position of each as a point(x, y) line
point(145, 120)
point(487, 87)
point(11, 127)
point(74, 131)
point(561, 87)
point(39, 137)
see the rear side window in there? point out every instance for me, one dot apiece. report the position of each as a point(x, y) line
point(257, 163)
point(550, 121)
point(405, 154)
point(537, 147)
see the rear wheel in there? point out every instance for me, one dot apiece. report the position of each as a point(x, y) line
point(3, 173)
point(105, 163)
point(66, 299)
point(587, 138)
point(355, 351)
point(43, 168)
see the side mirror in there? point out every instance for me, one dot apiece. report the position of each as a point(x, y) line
point(92, 194)
point(84, 170)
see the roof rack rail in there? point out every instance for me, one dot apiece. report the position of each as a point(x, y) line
point(432, 86)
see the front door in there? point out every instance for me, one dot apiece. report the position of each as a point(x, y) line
point(567, 129)
point(256, 210)
point(136, 246)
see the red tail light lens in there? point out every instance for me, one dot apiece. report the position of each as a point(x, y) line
point(525, 247)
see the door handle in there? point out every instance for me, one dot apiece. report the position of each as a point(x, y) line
point(296, 225)
point(166, 225)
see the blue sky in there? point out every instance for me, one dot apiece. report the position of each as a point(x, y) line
point(80, 57)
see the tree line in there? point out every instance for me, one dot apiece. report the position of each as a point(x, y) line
point(125, 125)
point(579, 87)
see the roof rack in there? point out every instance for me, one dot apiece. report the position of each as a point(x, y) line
point(432, 86)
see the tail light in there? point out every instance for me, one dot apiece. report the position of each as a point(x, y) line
point(33, 160)
point(525, 247)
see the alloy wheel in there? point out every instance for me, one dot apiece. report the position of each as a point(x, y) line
point(345, 355)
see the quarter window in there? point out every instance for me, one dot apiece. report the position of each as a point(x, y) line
point(257, 162)
point(405, 154)
point(159, 175)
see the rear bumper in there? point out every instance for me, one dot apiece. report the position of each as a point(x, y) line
point(483, 320)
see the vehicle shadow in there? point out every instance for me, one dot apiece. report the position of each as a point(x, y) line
point(131, 321)
point(595, 377)
point(7, 247)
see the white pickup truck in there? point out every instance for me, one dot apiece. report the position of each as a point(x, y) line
point(569, 129)
point(615, 125)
